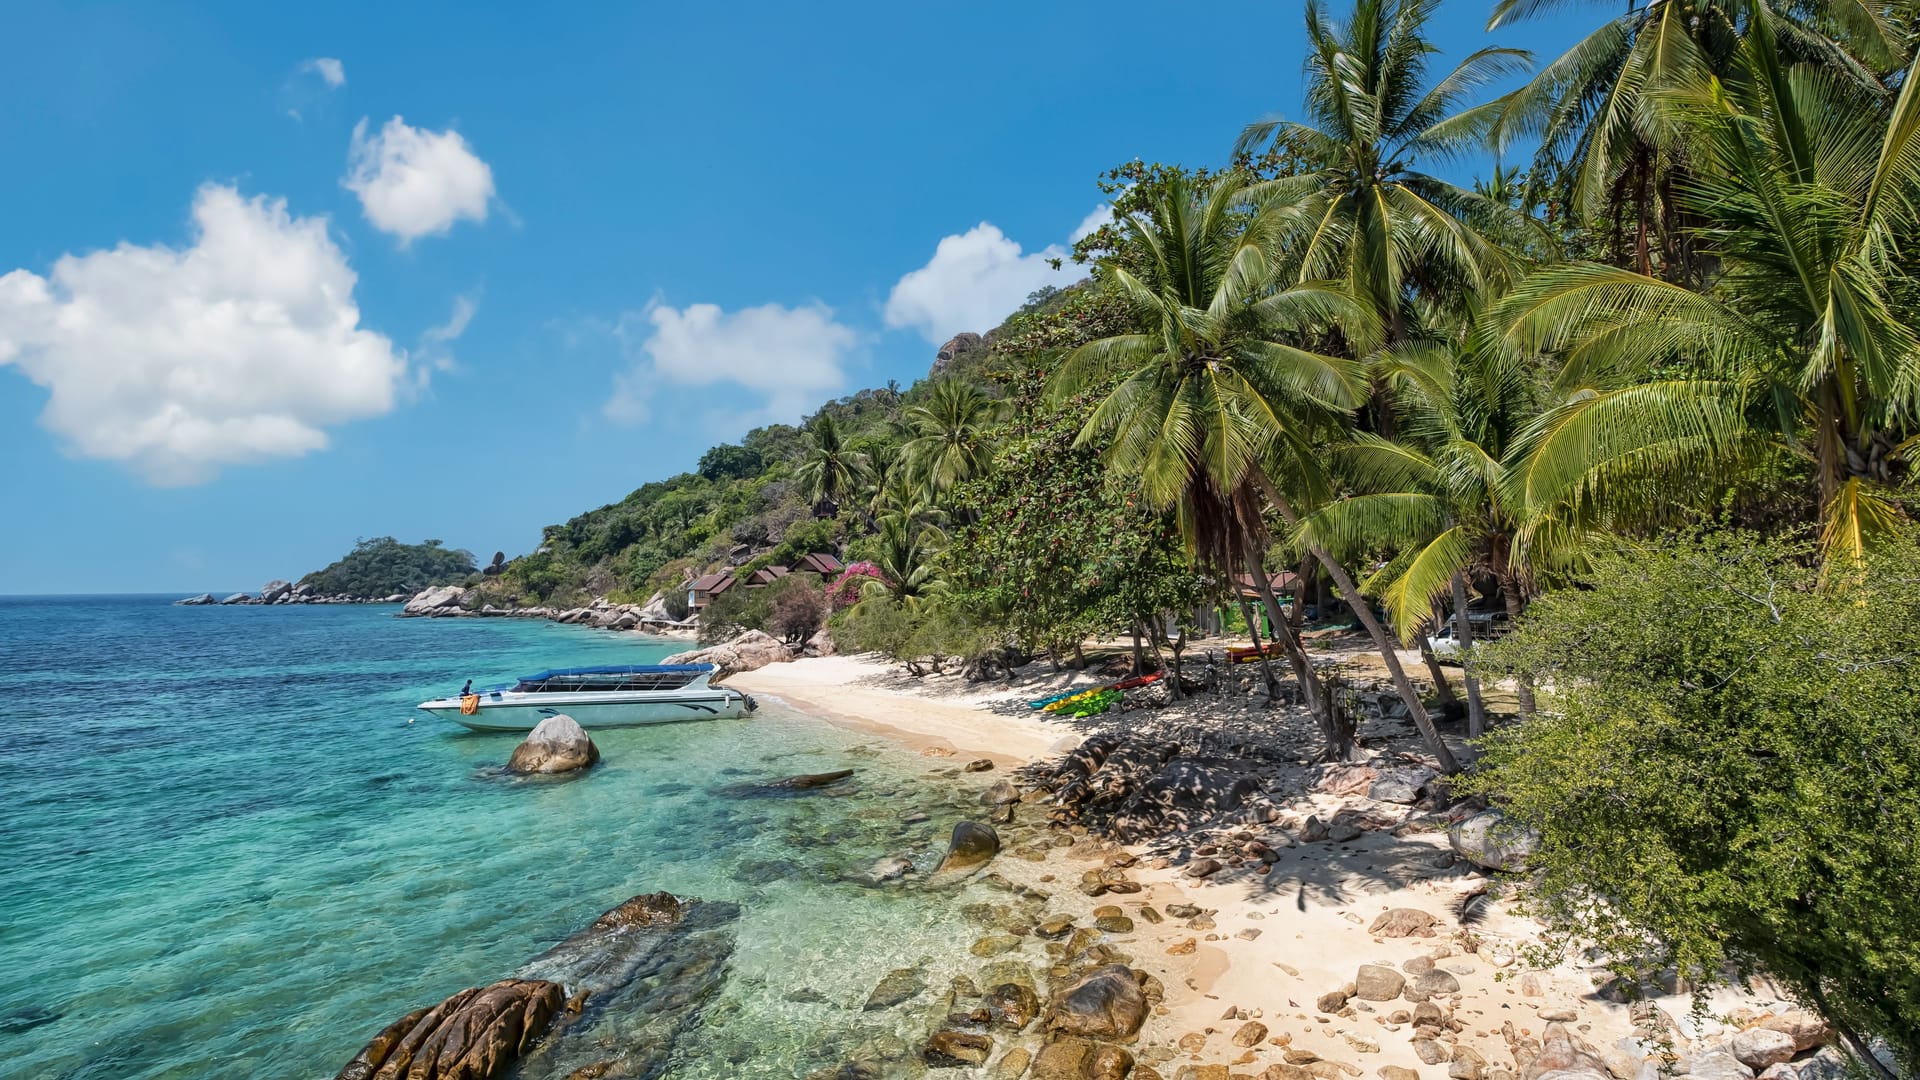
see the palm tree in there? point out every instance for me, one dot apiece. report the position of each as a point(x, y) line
point(1807, 191)
point(1440, 495)
point(951, 442)
point(1191, 405)
point(904, 555)
point(830, 472)
point(1364, 213)
point(1597, 108)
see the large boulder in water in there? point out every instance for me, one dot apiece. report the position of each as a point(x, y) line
point(972, 845)
point(273, 590)
point(557, 744)
point(750, 651)
point(1489, 840)
point(473, 1035)
point(1109, 1003)
point(441, 600)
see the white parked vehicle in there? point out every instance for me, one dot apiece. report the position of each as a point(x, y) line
point(1487, 626)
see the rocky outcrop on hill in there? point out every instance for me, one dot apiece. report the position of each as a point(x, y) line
point(956, 352)
point(557, 744)
point(750, 651)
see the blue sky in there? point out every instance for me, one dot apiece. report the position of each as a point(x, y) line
point(275, 277)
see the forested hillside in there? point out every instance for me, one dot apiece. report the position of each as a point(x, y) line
point(383, 566)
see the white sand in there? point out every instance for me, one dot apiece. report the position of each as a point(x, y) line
point(1308, 915)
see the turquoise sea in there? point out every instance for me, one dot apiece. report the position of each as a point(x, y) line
point(230, 847)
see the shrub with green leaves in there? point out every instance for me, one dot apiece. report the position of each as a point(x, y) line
point(1726, 773)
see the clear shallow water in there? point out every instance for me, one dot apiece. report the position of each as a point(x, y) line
point(228, 850)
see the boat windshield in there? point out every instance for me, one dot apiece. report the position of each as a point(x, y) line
point(607, 680)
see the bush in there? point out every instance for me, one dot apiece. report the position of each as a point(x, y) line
point(733, 612)
point(799, 608)
point(1727, 770)
point(848, 588)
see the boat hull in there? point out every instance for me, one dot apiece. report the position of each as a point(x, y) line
point(523, 715)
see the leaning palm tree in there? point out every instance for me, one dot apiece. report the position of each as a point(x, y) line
point(1440, 495)
point(1191, 405)
point(1809, 193)
point(952, 440)
point(1364, 212)
point(830, 471)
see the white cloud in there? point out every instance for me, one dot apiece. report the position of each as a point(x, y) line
point(435, 352)
point(240, 348)
point(413, 182)
point(973, 281)
point(331, 71)
point(1090, 224)
point(789, 357)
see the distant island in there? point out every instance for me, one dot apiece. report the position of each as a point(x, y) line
point(377, 570)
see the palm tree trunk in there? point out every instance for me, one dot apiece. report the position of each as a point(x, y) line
point(1463, 631)
point(1516, 602)
point(1442, 690)
point(1339, 736)
point(1442, 755)
point(1253, 630)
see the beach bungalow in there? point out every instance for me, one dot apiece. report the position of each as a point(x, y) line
point(818, 563)
point(702, 590)
point(760, 579)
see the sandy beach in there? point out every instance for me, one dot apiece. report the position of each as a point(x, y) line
point(1259, 961)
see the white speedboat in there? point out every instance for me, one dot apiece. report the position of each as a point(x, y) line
point(597, 697)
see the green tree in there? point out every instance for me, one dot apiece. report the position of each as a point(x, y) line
point(830, 472)
point(383, 566)
point(1359, 209)
point(1190, 405)
point(1056, 550)
point(1728, 769)
point(951, 441)
point(1806, 189)
point(1599, 108)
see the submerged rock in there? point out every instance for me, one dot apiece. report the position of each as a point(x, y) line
point(1108, 1003)
point(476, 1033)
point(900, 984)
point(197, 601)
point(948, 1049)
point(557, 744)
point(809, 781)
point(972, 845)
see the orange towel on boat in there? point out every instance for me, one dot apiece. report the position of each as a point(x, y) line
point(469, 704)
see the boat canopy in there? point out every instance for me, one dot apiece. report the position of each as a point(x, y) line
point(620, 669)
point(622, 677)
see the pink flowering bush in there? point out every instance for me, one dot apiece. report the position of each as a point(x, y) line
point(845, 590)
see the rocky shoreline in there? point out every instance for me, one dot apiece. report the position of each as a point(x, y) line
point(1292, 920)
point(282, 592)
point(453, 601)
